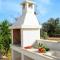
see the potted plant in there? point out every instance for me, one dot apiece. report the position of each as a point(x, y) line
point(42, 48)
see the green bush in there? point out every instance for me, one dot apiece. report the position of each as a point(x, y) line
point(44, 34)
point(5, 37)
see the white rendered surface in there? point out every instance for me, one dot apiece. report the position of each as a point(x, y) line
point(30, 36)
point(32, 53)
point(28, 19)
point(30, 31)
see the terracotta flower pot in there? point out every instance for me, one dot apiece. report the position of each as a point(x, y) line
point(41, 50)
point(28, 47)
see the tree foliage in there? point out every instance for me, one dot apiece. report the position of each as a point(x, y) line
point(52, 27)
point(5, 37)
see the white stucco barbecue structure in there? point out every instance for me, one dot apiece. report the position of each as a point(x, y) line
point(25, 31)
point(28, 24)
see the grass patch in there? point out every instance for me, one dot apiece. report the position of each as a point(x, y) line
point(9, 55)
point(54, 38)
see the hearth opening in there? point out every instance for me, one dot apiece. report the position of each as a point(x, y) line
point(17, 37)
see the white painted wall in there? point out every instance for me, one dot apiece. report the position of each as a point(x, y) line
point(30, 21)
point(27, 53)
point(30, 36)
point(16, 55)
point(26, 20)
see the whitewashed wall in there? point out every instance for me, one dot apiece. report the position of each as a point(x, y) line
point(30, 36)
point(16, 55)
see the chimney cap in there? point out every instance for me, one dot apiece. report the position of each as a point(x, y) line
point(28, 1)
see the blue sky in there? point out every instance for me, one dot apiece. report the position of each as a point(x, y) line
point(10, 9)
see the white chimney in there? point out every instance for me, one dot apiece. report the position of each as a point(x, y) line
point(26, 28)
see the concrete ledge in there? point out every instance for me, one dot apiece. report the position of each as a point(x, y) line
point(55, 45)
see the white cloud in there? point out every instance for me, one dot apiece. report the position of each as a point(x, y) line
point(45, 1)
point(0, 4)
point(42, 6)
point(11, 19)
point(42, 10)
point(9, 9)
point(9, 6)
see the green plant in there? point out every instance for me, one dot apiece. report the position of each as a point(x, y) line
point(43, 46)
point(44, 34)
point(5, 37)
